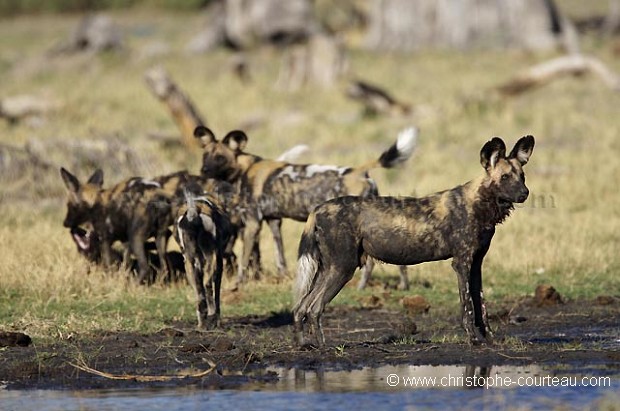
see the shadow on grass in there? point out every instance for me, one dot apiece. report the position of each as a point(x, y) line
point(273, 320)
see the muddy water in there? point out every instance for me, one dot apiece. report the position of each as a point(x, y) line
point(384, 388)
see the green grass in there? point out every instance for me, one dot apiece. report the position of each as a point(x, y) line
point(565, 235)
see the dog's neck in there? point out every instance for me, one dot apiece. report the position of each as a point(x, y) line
point(487, 207)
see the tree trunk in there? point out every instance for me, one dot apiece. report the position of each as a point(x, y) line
point(250, 22)
point(321, 61)
point(406, 25)
point(95, 33)
point(182, 109)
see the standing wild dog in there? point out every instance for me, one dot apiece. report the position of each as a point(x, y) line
point(131, 212)
point(272, 190)
point(203, 232)
point(89, 245)
point(459, 224)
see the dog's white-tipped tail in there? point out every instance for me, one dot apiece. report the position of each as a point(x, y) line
point(307, 267)
point(291, 155)
point(401, 150)
point(406, 143)
point(191, 213)
point(307, 262)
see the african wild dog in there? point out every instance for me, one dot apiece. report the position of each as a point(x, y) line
point(89, 245)
point(131, 212)
point(203, 232)
point(272, 190)
point(458, 223)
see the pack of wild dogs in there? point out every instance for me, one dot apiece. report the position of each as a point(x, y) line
point(348, 224)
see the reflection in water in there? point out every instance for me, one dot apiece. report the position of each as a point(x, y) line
point(402, 377)
point(383, 388)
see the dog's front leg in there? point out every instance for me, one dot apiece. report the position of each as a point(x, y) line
point(106, 250)
point(161, 243)
point(475, 288)
point(137, 243)
point(462, 266)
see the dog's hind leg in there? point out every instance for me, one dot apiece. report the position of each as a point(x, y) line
point(197, 280)
point(404, 278)
point(366, 273)
point(161, 242)
point(327, 287)
point(251, 232)
point(276, 229)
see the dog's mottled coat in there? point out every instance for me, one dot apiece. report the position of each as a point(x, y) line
point(271, 190)
point(203, 232)
point(132, 211)
point(459, 223)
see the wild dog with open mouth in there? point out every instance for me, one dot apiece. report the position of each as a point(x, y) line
point(272, 190)
point(134, 210)
point(130, 212)
point(89, 245)
point(458, 223)
point(203, 232)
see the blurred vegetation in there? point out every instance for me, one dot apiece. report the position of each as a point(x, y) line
point(339, 11)
point(13, 7)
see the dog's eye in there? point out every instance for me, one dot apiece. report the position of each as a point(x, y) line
point(505, 177)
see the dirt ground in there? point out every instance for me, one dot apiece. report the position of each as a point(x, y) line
point(578, 333)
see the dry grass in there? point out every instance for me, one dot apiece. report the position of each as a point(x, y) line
point(566, 234)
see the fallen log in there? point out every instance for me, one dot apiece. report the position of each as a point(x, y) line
point(544, 73)
point(180, 106)
point(15, 108)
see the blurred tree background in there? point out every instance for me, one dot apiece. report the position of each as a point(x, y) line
point(13, 7)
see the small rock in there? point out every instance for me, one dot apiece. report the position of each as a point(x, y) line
point(415, 304)
point(14, 339)
point(546, 296)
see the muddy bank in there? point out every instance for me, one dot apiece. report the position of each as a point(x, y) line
point(583, 333)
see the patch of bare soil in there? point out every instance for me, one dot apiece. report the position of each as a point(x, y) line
point(577, 332)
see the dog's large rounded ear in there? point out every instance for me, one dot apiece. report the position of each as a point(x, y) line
point(204, 134)
point(96, 178)
point(491, 152)
point(71, 181)
point(236, 140)
point(523, 149)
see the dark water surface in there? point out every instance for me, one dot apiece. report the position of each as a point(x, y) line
point(385, 388)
